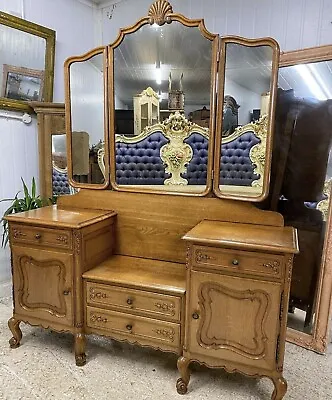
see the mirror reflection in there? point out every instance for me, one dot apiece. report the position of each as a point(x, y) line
point(22, 65)
point(162, 91)
point(60, 184)
point(246, 108)
point(303, 180)
point(87, 118)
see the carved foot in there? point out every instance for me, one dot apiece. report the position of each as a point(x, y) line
point(80, 356)
point(14, 326)
point(280, 388)
point(181, 387)
point(182, 383)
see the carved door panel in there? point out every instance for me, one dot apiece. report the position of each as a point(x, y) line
point(43, 284)
point(234, 319)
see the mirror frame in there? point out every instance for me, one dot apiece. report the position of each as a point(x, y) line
point(161, 12)
point(84, 57)
point(217, 188)
point(40, 31)
point(318, 339)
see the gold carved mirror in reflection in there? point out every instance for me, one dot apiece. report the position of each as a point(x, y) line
point(162, 76)
point(27, 63)
point(244, 127)
point(301, 190)
point(86, 119)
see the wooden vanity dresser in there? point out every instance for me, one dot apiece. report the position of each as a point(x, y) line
point(168, 250)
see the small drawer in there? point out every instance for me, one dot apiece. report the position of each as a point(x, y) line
point(134, 326)
point(270, 265)
point(153, 304)
point(41, 236)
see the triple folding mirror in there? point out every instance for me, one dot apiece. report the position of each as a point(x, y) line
point(171, 108)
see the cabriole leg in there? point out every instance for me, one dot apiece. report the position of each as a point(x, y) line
point(182, 383)
point(14, 326)
point(280, 388)
point(80, 356)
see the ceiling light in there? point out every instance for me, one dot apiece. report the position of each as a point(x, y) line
point(311, 82)
point(319, 79)
point(158, 73)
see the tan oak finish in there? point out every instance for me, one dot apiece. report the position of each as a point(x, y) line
point(51, 249)
point(228, 291)
point(129, 275)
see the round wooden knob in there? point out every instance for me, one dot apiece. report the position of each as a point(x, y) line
point(130, 301)
point(38, 236)
point(195, 315)
point(129, 327)
point(235, 262)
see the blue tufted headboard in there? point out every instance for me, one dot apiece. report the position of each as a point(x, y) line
point(148, 159)
point(59, 181)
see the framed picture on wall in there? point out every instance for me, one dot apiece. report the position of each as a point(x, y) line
point(19, 83)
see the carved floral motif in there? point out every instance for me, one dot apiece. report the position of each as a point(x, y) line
point(167, 333)
point(97, 318)
point(97, 295)
point(202, 257)
point(18, 234)
point(166, 307)
point(273, 265)
point(62, 239)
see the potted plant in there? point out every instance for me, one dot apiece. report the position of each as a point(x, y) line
point(29, 201)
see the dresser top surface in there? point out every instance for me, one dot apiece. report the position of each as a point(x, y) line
point(244, 236)
point(57, 217)
point(140, 272)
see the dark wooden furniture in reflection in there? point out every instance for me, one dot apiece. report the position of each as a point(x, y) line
point(301, 150)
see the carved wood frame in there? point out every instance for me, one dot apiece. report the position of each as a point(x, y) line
point(69, 61)
point(318, 340)
point(270, 120)
point(161, 12)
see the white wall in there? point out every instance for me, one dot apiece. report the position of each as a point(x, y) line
point(293, 23)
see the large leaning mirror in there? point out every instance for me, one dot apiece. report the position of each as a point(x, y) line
point(86, 120)
point(302, 185)
point(162, 75)
point(244, 118)
point(26, 63)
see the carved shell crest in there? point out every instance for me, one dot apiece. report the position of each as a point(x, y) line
point(158, 12)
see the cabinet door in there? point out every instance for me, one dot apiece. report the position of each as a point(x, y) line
point(234, 319)
point(43, 284)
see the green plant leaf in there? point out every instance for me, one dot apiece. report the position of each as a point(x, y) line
point(33, 188)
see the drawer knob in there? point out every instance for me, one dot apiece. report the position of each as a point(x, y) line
point(129, 327)
point(195, 315)
point(130, 301)
point(37, 235)
point(66, 292)
point(235, 262)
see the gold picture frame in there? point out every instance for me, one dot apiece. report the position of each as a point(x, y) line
point(20, 24)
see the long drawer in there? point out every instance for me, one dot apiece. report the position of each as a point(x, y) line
point(152, 304)
point(132, 326)
point(249, 262)
point(35, 235)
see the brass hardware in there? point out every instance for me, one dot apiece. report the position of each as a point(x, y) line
point(66, 292)
point(195, 315)
point(38, 236)
point(129, 327)
point(235, 262)
point(130, 301)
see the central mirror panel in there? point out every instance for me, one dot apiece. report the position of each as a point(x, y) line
point(245, 118)
point(163, 85)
